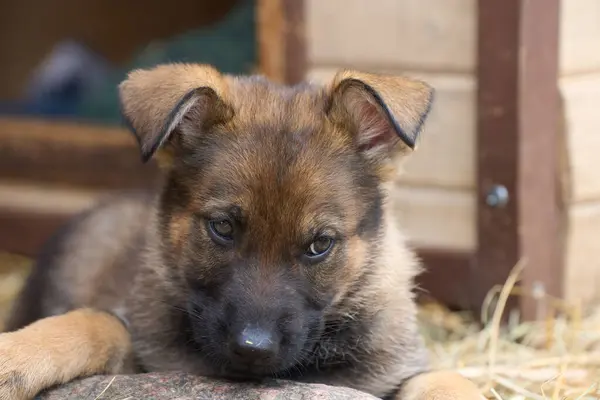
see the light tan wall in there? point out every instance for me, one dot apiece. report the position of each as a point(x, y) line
point(435, 196)
point(580, 88)
point(37, 198)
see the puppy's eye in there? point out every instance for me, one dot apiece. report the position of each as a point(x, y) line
point(221, 231)
point(319, 248)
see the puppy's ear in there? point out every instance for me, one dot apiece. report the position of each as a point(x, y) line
point(154, 102)
point(384, 113)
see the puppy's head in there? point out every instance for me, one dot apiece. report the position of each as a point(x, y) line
point(273, 205)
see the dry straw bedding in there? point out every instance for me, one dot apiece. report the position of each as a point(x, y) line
point(556, 357)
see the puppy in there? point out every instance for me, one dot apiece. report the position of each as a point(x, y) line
point(271, 249)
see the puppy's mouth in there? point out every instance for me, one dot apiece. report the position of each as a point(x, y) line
point(258, 371)
point(248, 373)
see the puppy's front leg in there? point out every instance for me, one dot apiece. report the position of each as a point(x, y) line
point(440, 385)
point(58, 349)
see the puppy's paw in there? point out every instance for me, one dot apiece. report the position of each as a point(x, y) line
point(11, 385)
point(440, 385)
point(13, 374)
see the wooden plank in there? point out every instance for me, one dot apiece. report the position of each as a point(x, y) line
point(517, 146)
point(540, 211)
point(24, 232)
point(71, 154)
point(439, 36)
point(582, 269)
point(46, 198)
point(435, 217)
point(281, 40)
point(581, 96)
point(579, 37)
point(446, 277)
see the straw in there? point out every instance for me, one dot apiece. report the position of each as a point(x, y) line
point(555, 357)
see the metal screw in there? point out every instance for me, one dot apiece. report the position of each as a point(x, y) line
point(538, 290)
point(497, 196)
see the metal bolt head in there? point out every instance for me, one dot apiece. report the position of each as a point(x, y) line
point(497, 196)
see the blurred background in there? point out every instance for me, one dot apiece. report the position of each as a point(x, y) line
point(507, 168)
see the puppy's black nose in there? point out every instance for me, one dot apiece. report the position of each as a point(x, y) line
point(254, 344)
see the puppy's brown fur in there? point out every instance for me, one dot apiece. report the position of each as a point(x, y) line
point(284, 168)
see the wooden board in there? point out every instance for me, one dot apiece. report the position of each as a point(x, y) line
point(45, 198)
point(517, 147)
point(281, 40)
point(581, 97)
point(582, 266)
point(446, 277)
point(24, 232)
point(71, 154)
point(440, 36)
point(579, 37)
point(437, 218)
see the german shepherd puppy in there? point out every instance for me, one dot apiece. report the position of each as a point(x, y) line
point(270, 249)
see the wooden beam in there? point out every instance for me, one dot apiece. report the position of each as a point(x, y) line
point(71, 154)
point(281, 40)
point(446, 277)
point(24, 233)
point(517, 123)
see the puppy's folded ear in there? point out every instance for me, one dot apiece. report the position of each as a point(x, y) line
point(154, 102)
point(385, 114)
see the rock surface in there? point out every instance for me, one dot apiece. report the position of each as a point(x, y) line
point(177, 386)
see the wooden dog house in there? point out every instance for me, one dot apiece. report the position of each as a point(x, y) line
point(506, 169)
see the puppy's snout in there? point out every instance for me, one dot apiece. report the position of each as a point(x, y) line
point(254, 344)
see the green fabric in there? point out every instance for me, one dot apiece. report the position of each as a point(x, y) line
point(229, 45)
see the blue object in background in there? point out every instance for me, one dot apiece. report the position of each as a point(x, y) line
point(75, 83)
point(65, 77)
